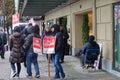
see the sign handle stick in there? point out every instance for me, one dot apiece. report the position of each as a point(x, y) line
point(49, 56)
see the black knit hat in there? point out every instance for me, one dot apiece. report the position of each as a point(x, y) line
point(37, 29)
point(16, 29)
point(56, 27)
point(91, 38)
point(31, 29)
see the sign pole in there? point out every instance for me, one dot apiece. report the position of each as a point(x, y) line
point(49, 56)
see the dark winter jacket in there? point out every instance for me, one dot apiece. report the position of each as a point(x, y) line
point(24, 32)
point(3, 37)
point(90, 45)
point(46, 34)
point(59, 39)
point(16, 41)
point(28, 45)
point(65, 37)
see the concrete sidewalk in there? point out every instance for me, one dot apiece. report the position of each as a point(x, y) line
point(71, 67)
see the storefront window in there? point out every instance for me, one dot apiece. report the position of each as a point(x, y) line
point(117, 36)
point(50, 23)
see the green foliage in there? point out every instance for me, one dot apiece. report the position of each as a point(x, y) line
point(64, 23)
point(85, 29)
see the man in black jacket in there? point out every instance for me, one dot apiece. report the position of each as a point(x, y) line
point(65, 38)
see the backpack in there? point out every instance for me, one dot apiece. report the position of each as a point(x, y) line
point(0, 41)
point(4, 39)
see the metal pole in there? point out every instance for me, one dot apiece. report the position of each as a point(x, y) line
point(4, 14)
point(49, 56)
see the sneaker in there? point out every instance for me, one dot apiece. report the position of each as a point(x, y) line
point(63, 76)
point(62, 61)
point(37, 76)
point(17, 75)
point(56, 77)
point(14, 74)
point(82, 67)
point(29, 76)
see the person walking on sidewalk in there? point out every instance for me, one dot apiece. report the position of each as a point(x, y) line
point(55, 31)
point(31, 57)
point(3, 38)
point(16, 41)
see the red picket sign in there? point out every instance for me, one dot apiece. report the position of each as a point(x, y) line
point(37, 45)
point(49, 45)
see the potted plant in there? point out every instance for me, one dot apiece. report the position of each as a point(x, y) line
point(85, 28)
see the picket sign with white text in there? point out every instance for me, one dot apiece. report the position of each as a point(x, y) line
point(37, 45)
point(49, 44)
point(97, 62)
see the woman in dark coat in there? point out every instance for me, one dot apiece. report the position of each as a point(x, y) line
point(31, 57)
point(16, 41)
point(55, 32)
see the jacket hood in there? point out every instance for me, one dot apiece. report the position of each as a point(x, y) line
point(56, 28)
point(16, 29)
point(31, 29)
point(16, 34)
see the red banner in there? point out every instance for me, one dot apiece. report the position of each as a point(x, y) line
point(37, 45)
point(49, 45)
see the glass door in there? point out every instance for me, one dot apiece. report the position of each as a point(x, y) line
point(116, 14)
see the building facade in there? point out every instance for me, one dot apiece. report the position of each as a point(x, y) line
point(103, 23)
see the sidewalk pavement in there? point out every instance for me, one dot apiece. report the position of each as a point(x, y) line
point(71, 67)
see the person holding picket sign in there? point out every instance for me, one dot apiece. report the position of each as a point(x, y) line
point(46, 33)
point(55, 32)
point(31, 56)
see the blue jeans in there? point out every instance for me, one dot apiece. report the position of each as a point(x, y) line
point(32, 58)
point(62, 56)
point(14, 68)
point(58, 67)
point(83, 59)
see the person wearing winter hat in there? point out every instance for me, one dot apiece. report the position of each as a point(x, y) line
point(31, 57)
point(24, 31)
